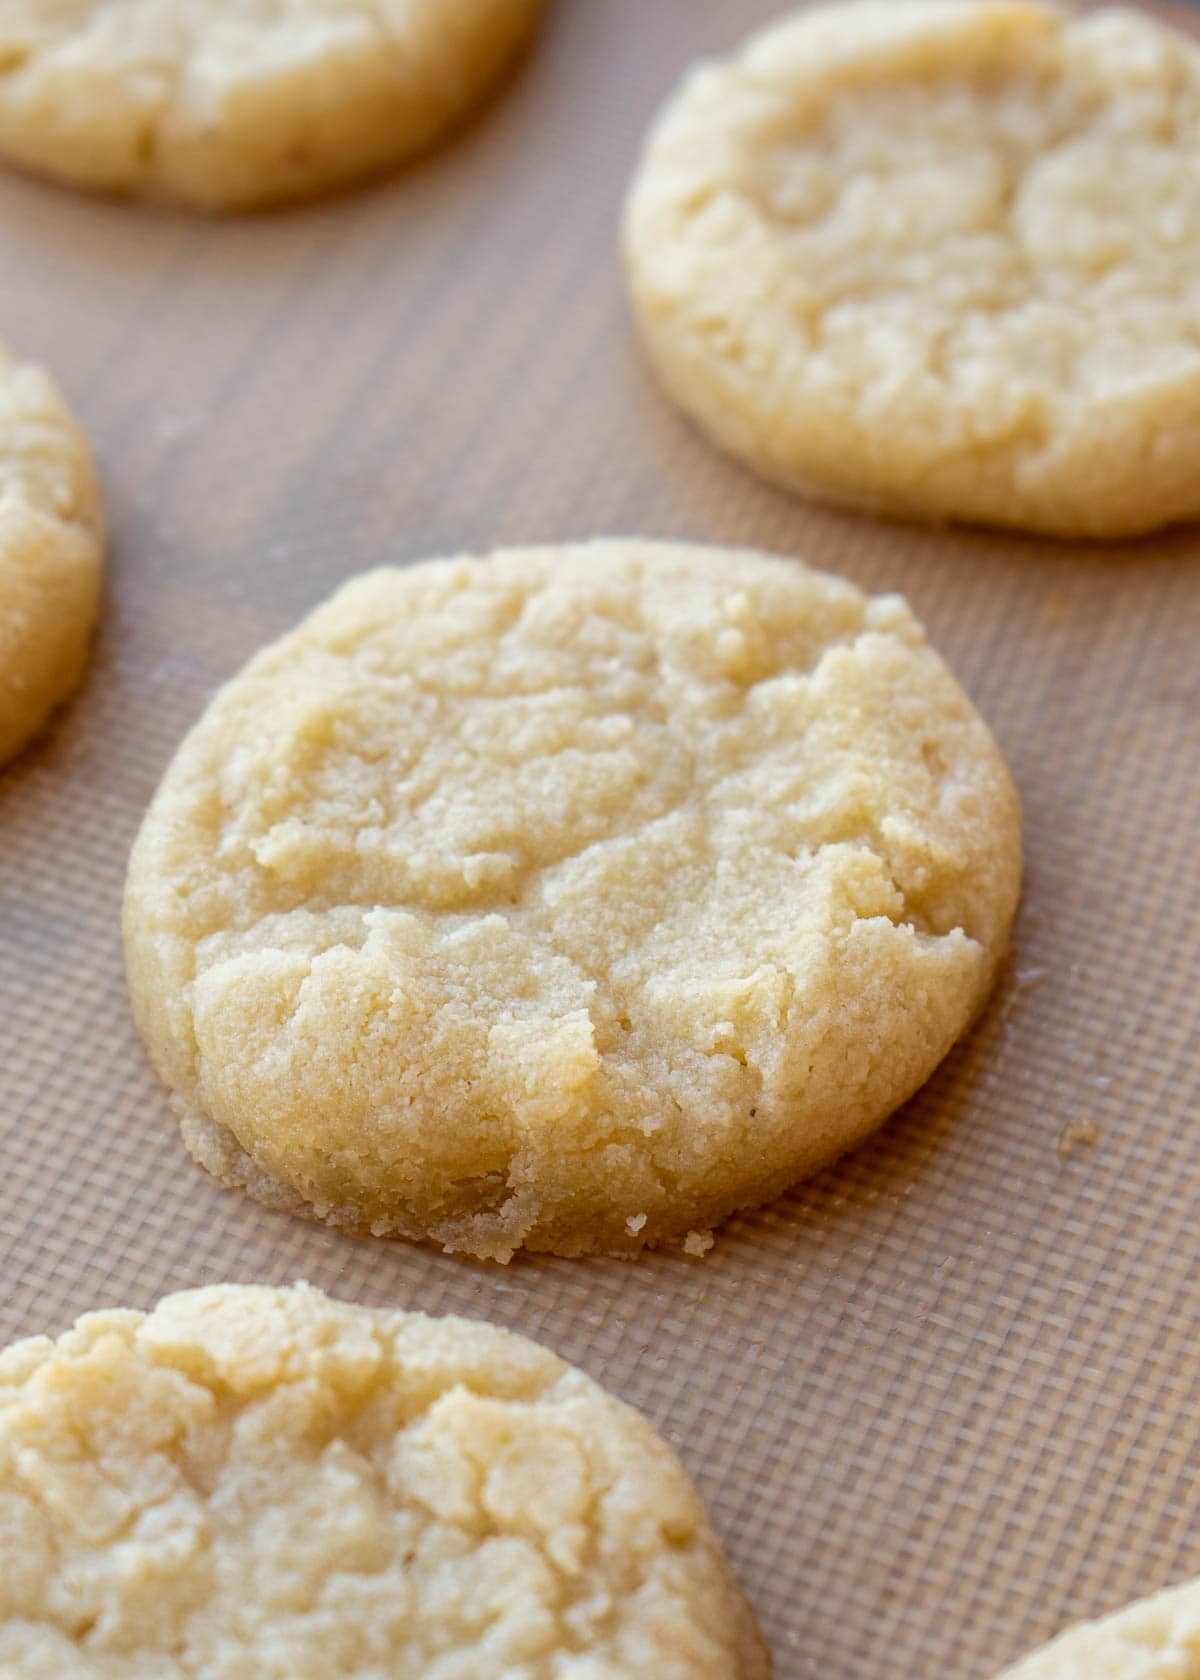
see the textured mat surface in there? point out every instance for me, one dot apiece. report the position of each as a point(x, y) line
point(942, 1398)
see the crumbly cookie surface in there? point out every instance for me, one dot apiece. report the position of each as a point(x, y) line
point(51, 544)
point(938, 258)
point(228, 104)
point(568, 899)
point(255, 1481)
point(1155, 1639)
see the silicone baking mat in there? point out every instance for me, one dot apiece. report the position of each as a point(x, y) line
point(939, 1400)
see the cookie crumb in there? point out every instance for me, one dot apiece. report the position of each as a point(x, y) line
point(1054, 610)
point(698, 1243)
point(634, 1223)
point(1078, 1134)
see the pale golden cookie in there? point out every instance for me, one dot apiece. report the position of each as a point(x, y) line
point(228, 104)
point(264, 1482)
point(1155, 1639)
point(570, 898)
point(51, 546)
point(938, 258)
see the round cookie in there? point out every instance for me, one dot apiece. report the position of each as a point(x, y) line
point(227, 105)
point(260, 1481)
point(938, 259)
point(568, 899)
point(51, 546)
point(1156, 1639)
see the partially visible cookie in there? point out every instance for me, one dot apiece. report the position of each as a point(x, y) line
point(568, 899)
point(1156, 1639)
point(252, 1482)
point(226, 105)
point(938, 258)
point(51, 547)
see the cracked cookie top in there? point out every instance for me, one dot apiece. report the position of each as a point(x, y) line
point(938, 258)
point(569, 898)
point(51, 548)
point(228, 104)
point(252, 1481)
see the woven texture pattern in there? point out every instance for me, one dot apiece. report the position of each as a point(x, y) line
point(939, 1400)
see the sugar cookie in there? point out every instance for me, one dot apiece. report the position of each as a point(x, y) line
point(226, 105)
point(570, 898)
point(51, 545)
point(938, 258)
point(1155, 1639)
point(260, 1481)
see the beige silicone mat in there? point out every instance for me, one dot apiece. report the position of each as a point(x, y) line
point(942, 1398)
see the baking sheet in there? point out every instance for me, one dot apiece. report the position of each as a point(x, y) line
point(940, 1399)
